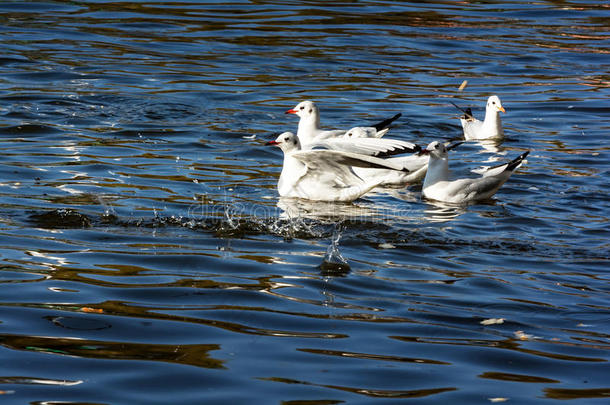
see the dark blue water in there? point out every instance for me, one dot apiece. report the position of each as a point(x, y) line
point(146, 257)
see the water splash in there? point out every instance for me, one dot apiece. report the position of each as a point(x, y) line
point(334, 264)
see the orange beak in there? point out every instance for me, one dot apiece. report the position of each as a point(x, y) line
point(502, 109)
point(291, 111)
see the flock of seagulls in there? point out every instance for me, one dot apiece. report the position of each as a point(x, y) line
point(343, 165)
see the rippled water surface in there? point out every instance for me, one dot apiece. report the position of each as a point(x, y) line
point(146, 257)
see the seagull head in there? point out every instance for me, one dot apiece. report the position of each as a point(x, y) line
point(357, 132)
point(304, 109)
point(435, 149)
point(286, 141)
point(494, 104)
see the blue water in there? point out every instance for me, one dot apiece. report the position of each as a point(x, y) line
point(146, 257)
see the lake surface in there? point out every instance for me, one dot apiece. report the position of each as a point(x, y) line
point(147, 259)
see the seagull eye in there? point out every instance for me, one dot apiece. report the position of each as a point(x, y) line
point(302, 107)
point(287, 139)
point(349, 134)
point(493, 102)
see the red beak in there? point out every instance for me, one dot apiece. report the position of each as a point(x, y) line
point(291, 111)
point(272, 143)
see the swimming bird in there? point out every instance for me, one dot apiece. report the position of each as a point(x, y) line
point(364, 132)
point(490, 127)
point(437, 185)
point(309, 124)
point(323, 175)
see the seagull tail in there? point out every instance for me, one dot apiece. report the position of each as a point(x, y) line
point(386, 123)
point(467, 112)
point(513, 164)
point(454, 145)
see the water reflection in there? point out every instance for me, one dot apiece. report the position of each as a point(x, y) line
point(506, 344)
point(491, 146)
point(518, 378)
point(373, 356)
point(194, 355)
point(567, 393)
point(296, 208)
point(437, 211)
point(369, 392)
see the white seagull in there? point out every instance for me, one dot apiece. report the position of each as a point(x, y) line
point(323, 175)
point(309, 129)
point(364, 132)
point(437, 185)
point(490, 127)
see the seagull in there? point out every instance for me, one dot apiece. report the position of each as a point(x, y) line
point(309, 123)
point(323, 175)
point(437, 185)
point(490, 128)
point(364, 132)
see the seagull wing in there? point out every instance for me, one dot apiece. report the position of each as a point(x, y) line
point(321, 159)
point(412, 162)
point(480, 188)
point(330, 134)
point(368, 146)
point(510, 166)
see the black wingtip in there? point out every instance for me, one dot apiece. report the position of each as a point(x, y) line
point(512, 165)
point(467, 112)
point(458, 107)
point(454, 145)
point(386, 123)
point(398, 151)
